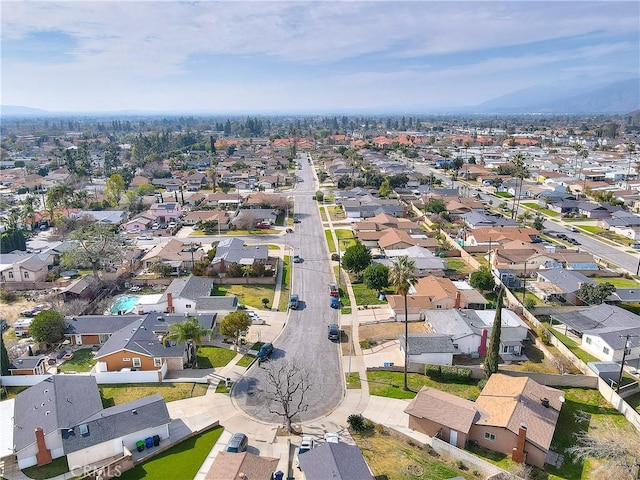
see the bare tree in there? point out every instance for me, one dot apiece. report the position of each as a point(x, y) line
point(620, 453)
point(287, 385)
point(562, 363)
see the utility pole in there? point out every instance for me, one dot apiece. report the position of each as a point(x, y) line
point(524, 283)
point(625, 352)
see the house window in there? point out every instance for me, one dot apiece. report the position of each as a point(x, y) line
point(136, 362)
point(588, 340)
point(10, 274)
point(188, 305)
point(606, 350)
point(26, 274)
point(126, 359)
point(103, 337)
point(157, 362)
point(489, 436)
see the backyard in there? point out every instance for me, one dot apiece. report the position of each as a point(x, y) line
point(182, 460)
point(117, 394)
point(249, 295)
point(366, 296)
point(82, 361)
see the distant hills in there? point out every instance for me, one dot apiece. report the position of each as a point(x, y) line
point(16, 111)
point(605, 97)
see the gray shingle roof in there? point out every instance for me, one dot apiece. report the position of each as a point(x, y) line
point(216, 304)
point(420, 343)
point(115, 422)
point(598, 316)
point(190, 287)
point(96, 324)
point(338, 461)
point(61, 401)
point(568, 281)
point(26, 363)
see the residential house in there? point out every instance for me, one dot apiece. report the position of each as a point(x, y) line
point(196, 181)
point(477, 219)
point(492, 236)
point(559, 284)
point(340, 461)
point(220, 217)
point(190, 295)
point(63, 415)
point(425, 261)
point(238, 466)
point(181, 257)
point(609, 343)
point(166, 212)
point(110, 217)
point(227, 201)
point(393, 239)
point(233, 250)
point(515, 416)
point(82, 288)
point(368, 206)
point(24, 267)
point(29, 366)
point(470, 329)
point(169, 184)
point(429, 348)
point(141, 223)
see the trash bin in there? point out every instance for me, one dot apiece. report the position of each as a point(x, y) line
point(148, 442)
point(388, 364)
point(140, 445)
point(156, 440)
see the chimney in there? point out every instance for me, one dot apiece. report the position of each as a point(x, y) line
point(482, 349)
point(170, 308)
point(43, 456)
point(518, 454)
point(457, 300)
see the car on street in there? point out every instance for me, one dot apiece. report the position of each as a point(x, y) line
point(144, 237)
point(294, 302)
point(335, 302)
point(333, 289)
point(264, 352)
point(238, 443)
point(334, 332)
point(572, 229)
point(264, 225)
point(296, 219)
point(306, 444)
point(297, 259)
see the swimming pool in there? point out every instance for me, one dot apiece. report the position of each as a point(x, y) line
point(124, 304)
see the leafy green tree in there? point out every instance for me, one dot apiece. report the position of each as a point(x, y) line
point(401, 276)
point(492, 360)
point(538, 223)
point(97, 244)
point(4, 358)
point(234, 325)
point(595, 294)
point(319, 196)
point(356, 258)
point(376, 277)
point(435, 205)
point(114, 189)
point(482, 279)
point(385, 188)
point(48, 326)
point(190, 332)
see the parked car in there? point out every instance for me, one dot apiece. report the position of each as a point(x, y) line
point(144, 237)
point(306, 444)
point(264, 352)
point(297, 259)
point(572, 229)
point(238, 443)
point(335, 302)
point(294, 302)
point(296, 219)
point(635, 245)
point(332, 437)
point(333, 289)
point(334, 332)
point(263, 225)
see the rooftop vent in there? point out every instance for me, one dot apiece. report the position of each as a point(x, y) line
point(135, 412)
point(545, 402)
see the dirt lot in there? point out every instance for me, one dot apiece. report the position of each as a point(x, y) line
point(11, 311)
point(382, 332)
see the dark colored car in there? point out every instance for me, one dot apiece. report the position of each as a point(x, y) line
point(334, 332)
point(294, 302)
point(238, 443)
point(296, 219)
point(265, 351)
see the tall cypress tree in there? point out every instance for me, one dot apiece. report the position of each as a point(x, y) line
point(4, 358)
point(492, 359)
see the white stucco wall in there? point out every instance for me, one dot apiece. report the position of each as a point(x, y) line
point(27, 456)
point(432, 358)
point(92, 455)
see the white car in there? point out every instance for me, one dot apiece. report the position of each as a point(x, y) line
point(144, 237)
point(306, 444)
point(332, 437)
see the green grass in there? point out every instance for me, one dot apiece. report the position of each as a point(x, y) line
point(353, 380)
point(542, 210)
point(330, 242)
point(345, 237)
point(221, 387)
point(250, 295)
point(631, 307)
point(504, 195)
point(634, 401)
point(212, 357)
point(82, 361)
point(59, 466)
point(619, 282)
point(592, 229)
point(574, 347)
point(336, 212)
point(273, 247)
point(389, 384)
point(457, 265)
point(120, 393)
point(245, 361)
point(323, 214)
point(285, 289)
point(366, 296)
point(182, 460)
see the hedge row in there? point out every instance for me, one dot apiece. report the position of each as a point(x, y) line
point(445, 372)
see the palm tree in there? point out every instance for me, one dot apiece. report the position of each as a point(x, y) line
point(191, 332)
point(401, 277)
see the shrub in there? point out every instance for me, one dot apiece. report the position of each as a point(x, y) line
point(545, 336)
point(460, 464)
point(7, 296)
point(529, 303)
point(358, 423)
point(432, 371)
point(364, 344)
point(380, 429)
point(335, 257)
point(444, 372)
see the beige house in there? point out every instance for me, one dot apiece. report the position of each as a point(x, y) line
point(175, 253)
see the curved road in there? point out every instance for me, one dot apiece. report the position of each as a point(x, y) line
point(304, 338)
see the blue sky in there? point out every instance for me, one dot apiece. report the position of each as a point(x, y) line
point(303, 56)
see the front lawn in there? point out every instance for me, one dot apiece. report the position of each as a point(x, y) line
point(250, 295)
point(330, 242)
point(82, 361)
point(389, 384)
point(366, 296)
point(285, 291)
point(182, 460)
point(213, 357)
point(592, 229)
point(336, 212)
point(120, 393)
